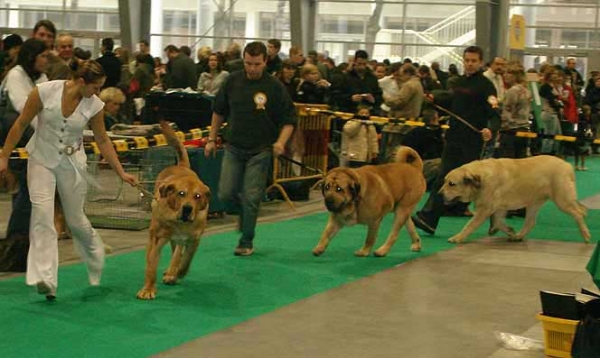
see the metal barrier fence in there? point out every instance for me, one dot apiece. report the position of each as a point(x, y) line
point(309, 146)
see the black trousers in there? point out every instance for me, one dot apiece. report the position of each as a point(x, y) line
point(456, 153)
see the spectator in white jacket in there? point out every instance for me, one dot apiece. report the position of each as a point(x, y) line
point(210, 81)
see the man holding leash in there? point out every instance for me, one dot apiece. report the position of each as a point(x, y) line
point(260, 117)
point(473, 112)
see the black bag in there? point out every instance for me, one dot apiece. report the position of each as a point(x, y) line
point(8, 116)
point(586, 343)
point(13, 254)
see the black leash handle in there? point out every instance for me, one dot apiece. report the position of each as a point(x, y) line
point(300, 164)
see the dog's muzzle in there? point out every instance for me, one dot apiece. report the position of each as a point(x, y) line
point(186, 213)
point(331, 205)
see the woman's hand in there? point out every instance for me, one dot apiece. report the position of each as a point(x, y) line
point(3, 165)
point(128, 178)
point(278, 149)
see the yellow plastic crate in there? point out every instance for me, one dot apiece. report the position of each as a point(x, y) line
point(558, 335)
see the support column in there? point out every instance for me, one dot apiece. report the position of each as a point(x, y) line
point(501, 28)
point(491, 22)
point(302, 23)
point(134, 18)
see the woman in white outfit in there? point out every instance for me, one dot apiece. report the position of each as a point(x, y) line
point(57, 161)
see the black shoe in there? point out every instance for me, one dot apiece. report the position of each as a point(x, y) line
point(421, 224)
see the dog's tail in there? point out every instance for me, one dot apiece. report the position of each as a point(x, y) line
point(410, 156)
point(182, 156)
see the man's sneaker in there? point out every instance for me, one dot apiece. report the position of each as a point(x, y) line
point(421, 224)
point(243, 251)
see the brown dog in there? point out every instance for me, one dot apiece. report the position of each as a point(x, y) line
point(179, 213)
point(365, 195)
point(499, 185)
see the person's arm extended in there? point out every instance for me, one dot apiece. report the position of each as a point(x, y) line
point(106, 148)
point(284, 135)
point(215, 125)
point(32, 107)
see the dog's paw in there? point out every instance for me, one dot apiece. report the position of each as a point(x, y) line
point(318, 251)
point(415, 247)
point(455, 239)
point(515, 238)
point(181, 273)
point(587, 236)
point(169, 279)
point(492, 231)
point(381, 252)
point(361, 253)
point(146, 293)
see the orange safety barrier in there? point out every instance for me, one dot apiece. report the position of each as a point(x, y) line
point(308, 145)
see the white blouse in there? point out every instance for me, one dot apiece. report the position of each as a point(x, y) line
point(56, 133)
point(19, 86)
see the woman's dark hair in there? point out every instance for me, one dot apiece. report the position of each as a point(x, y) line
point(81, 53)
point(220, 60)
point(12, 41)
point(90, 70)
point(28, 54)
point(452, 69)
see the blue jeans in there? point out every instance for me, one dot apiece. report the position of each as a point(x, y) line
point(243, 181)
point(18, 224)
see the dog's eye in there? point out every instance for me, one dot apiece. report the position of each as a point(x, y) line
point(338, 189)
point(327, 187)
point(451, 183)
point(198, 196)
point(182, 193)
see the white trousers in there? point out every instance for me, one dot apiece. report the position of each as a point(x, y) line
point(42, 262)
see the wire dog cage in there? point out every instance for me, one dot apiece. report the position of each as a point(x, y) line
point(114, 204)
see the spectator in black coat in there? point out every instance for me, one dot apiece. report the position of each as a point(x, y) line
point(181, 70)
point(110, 63)
point(359, 87)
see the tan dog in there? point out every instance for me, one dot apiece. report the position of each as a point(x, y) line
point(365, 195)
point(179, 213)
point(499, 185)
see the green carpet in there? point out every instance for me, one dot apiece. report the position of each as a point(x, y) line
point(221, 290)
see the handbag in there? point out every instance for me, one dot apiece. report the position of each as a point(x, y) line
point(586, 343)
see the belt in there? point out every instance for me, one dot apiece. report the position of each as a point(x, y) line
point(70, 150)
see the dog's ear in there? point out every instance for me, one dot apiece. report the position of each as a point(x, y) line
point(472, 180)
point(166, 189)
point(354, 187)
point(355, 190)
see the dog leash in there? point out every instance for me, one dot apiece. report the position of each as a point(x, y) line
point(301, 165)
point(463, 121)
point(143, 191)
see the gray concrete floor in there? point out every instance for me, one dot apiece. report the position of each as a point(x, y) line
point(446, 305)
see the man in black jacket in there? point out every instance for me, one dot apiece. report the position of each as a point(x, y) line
point(474, 100)
point(181, 70)
point(110, 63)
point(359, 86)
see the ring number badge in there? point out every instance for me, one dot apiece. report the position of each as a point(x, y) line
point(260, 99)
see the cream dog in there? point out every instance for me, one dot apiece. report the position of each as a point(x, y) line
point(499, 185)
